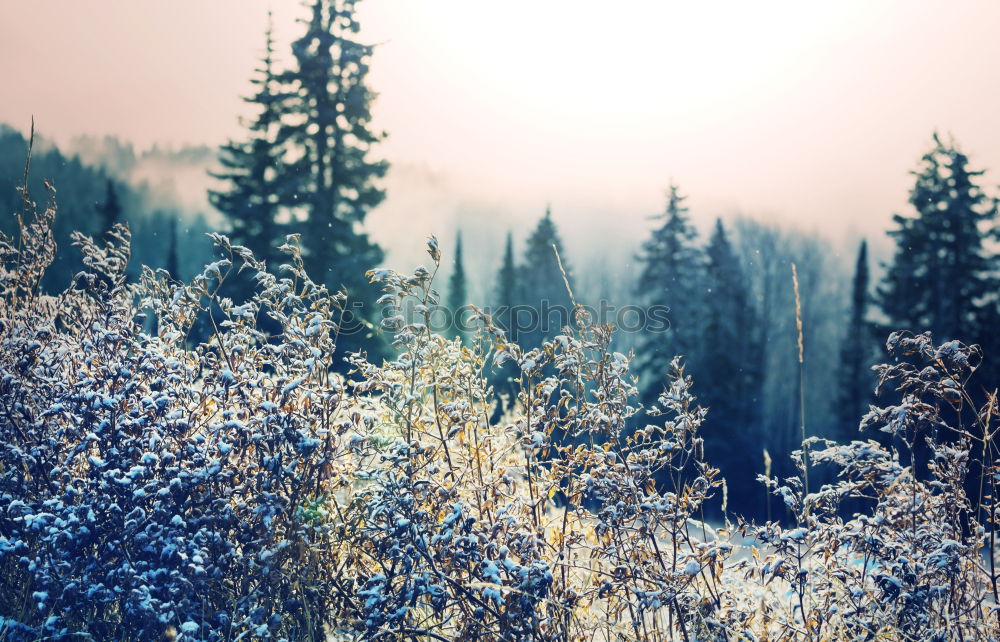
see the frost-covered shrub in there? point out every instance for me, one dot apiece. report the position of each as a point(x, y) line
point(912, 567)
point(146, 486)
point(239, 489)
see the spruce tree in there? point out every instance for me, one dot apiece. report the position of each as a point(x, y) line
point(335, 179)
point(726, 367)
point(544, 305)
point(729, 320)
point(941, 277)
point(110, 209)
point(505, 295)
point(671, 276)
point(857, 351)
point(252, 168)
point(504, 301)
point(457, 291)
point(173, 259)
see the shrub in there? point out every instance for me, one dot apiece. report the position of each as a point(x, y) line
point(240, 489)
point(147, 486)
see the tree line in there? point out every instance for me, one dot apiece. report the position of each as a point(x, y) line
point(732, 314)
point(93, 198)
point(305, 165)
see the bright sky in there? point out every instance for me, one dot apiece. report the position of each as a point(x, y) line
point(804, 111)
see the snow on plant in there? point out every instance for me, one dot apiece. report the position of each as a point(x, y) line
point(150, 487)
point(240, 489)
point(909, 567)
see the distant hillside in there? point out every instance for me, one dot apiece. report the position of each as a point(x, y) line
point(81, 189)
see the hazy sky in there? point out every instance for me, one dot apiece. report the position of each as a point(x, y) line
point(805, 111)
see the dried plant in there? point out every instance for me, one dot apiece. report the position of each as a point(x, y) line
point(239, 489)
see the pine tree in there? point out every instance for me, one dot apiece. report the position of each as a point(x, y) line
point(940, 277)
point(542, 294)
point(672, 274)
point(729, 330)
point(252, 168)
point(330, 127)
point(504, 301)
point(457, 291)
point(110, 209)
point(857, 352)
point(173, 260)
point(727, 366)
point(505, 294)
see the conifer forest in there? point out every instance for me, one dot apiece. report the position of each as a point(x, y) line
point(604, 329)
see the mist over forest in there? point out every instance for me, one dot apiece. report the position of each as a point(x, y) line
point(178, 179)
